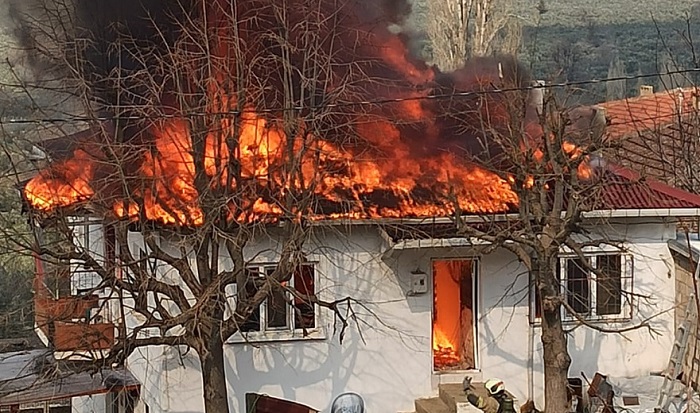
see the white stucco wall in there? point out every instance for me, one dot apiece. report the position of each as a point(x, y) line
point(388, 361)
point(646, 349)
point(95, 403)
point(170, 379)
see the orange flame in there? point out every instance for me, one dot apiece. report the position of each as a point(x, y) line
point(444, 351)
point(382, 173)
point(169, 194)
point(62, 186)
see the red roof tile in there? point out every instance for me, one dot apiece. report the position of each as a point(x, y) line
point(625, 189)
point(646, 113)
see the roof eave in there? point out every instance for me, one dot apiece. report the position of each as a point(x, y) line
point(485, 218)
point(644, 213)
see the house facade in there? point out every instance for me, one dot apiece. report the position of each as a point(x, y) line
point(426, 308)
point(431, 308)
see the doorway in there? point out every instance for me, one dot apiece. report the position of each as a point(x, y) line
point(454, 312)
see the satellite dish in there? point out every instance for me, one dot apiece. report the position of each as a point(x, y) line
point(348, 403)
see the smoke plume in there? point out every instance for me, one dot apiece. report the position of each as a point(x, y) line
point(149, 58)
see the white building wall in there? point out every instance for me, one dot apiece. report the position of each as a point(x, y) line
point(388, 361)
point(646, 349)
point(170, 379)
point(95, 403)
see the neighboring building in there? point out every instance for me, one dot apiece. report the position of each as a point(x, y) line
point(649, 112)
point(34, 381)
point(658, 135)
point(685, 250)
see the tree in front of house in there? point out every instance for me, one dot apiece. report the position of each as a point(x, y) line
point(551, 155)
point(226, 121)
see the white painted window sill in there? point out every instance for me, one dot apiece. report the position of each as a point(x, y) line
point(599, 320)
point(593, 320)
point(277, 336)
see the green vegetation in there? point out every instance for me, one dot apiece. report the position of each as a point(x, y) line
point(574, 41)
point(562, 53)
point(16, 266)
point(577, 40)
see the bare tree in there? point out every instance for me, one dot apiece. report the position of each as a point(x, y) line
point(225, 123)
point(546, 154)
point(230, 121)
point(669, 78)
point(461, 29)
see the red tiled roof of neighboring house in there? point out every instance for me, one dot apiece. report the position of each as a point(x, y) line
point(626, 189)
point(646, 113)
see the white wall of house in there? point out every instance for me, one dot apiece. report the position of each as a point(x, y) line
point(95, 403)
point(644, 350)
point(388, 360)
point(170, 379)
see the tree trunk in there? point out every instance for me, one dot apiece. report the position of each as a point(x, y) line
point(556, 354)
point(214, 378)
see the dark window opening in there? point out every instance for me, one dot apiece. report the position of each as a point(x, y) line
point(282, 311)
point(304, 283)
point(253, 321)
point(277, 305)
point(609, 285)
point(577, 285)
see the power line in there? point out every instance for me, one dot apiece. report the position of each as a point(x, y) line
point(444, 96)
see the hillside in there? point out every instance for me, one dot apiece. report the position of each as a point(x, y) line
point(578, 40)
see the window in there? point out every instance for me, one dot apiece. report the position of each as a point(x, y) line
point(282, 314)
point(595, 287)
point(577, 286)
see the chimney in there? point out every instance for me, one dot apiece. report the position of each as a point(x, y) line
point(646, 90)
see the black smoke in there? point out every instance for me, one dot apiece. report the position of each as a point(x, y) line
point(120, 47)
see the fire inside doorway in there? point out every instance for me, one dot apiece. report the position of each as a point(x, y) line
point(453, 314)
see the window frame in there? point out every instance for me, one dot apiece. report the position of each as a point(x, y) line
point(290, 333)
point(84, 281)
point(626, 288)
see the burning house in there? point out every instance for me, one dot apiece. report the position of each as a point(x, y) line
point(205, 184)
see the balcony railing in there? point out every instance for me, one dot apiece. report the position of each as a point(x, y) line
point(83, 337)
point(70, 324)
